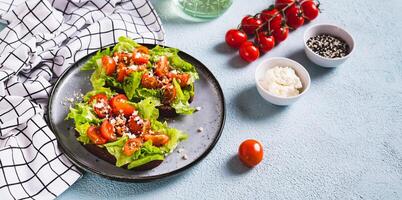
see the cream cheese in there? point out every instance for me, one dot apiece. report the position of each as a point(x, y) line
point(281, 81)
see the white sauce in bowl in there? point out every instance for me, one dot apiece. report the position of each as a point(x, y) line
point(281, 81)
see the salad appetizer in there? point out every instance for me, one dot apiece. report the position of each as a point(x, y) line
point(128, 131)
point(141, 73)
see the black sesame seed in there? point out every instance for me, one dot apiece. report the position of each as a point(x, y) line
point(328, 46)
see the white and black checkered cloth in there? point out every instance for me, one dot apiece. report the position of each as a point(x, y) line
point(42, 39)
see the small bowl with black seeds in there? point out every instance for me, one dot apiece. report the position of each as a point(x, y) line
point(328, 45)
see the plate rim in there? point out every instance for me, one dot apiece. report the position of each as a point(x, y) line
point(177, 171)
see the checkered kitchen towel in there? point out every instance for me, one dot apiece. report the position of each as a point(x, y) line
point(42, 39)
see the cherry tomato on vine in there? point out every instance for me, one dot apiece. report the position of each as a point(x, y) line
point(235, 38)
point(265, 42)
point(276, 16)
point(249, 24)
point(249, 52)
point(294, 17)
point(310, 9)
point(251, 152)
point(281, 34)
point(280, 4)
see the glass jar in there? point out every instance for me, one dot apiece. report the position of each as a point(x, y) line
point(203, 8)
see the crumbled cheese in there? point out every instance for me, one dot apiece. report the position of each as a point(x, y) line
point(180, 150)
point(116, 59)
point(173, 71)
point(137, 55)
point(200, 129)
point(281, 81)
point(133, 67)
point(198, 108)
point(184, 157)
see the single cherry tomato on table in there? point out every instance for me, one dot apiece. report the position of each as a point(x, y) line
point(251, 152)
point(109, 65)
point(249, 52)
point(132, 145)
point(120, 104)
point(310, 9)
point(94, 135)
point(249, 24)
point(281, 34)
point(107, 130)
point(294, 17)
point(281, 4)
point(101, 108)
point(276, 16)
point(157, 140)
point(135, 124)
point(235, 38)
point(265, 42)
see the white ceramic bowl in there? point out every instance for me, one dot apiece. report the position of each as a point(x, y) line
point(301, 72)
point(334, 31)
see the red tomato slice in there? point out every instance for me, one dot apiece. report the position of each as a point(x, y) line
point(169, 94)
point(135, 124)
point(183, 79)
point(120, 104)
point(107, 130)
point(157, 140)
point(162, 67)
point(132, 145)
point(109, 65)
point(101, 108)
point(95, 136)
point(150, 82)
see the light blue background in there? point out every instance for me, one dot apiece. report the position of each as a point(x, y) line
point(342, 140)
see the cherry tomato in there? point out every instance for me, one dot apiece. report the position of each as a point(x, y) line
point(135, 124)
point(281, 4)
point(132, 145)
point(142, 49)
point(265, 42)
point(157, 140)
point(107, 130)
point(121, 72)
point(276, 16)
point(310, 10)
point(162, 67)
point(249, 24)
point(108, 64)
point(294, 17)
point(281, 34)
point(101, 108)
point(235, 38)
point(150, 82)
point(183, 79)
point(251, 152)
point(95, 136)
point(120, 104)
point(169, 94)
point(249, 52)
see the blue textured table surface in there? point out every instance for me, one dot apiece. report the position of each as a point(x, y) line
point(342, 140)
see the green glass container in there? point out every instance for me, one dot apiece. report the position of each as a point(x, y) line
point(203, 8)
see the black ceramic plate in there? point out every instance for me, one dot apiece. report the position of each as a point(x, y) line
point(208, 95)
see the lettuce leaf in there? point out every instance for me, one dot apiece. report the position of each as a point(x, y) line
point(82, 130)
point(99, 90)
point(143, 93)
point(146, 154)
point(147, 108)
point(180, 104)
point(82, 113)
point(175, 135)
point(131, 83)
point(125, 44)
point(91, 64)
